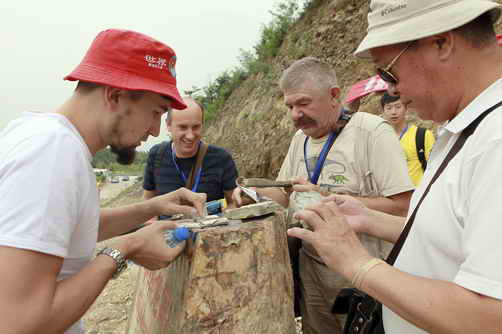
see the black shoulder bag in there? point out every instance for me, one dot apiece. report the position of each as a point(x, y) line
point(364, 313)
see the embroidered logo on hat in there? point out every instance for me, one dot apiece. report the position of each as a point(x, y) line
point(393, 8)
point(159, 62)
point(132, 61)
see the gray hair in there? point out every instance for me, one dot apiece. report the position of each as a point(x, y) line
point(319, 72)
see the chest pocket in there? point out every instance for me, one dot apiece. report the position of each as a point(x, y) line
point(368, 186)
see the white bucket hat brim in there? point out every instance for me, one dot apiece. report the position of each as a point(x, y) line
point(427, 19)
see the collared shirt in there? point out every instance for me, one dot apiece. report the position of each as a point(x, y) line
point(456, 233)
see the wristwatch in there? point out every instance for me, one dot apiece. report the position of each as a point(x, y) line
point(117, 256)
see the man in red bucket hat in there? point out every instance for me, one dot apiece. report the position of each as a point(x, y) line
point(51, 219)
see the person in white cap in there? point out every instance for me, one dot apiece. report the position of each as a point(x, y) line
point(443, 57)
point(50, 216)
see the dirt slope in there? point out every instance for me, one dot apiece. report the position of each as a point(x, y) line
point(254, 124)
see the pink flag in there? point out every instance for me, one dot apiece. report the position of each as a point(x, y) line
point(364, 87)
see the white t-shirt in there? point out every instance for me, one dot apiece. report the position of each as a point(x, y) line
point(456, 233)
point(48, 196)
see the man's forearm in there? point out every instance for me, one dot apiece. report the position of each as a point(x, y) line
point(75, 295)
point(116, 221)
point(433, 305)
point(44, 304)
point(385, 226)
point(384, 204)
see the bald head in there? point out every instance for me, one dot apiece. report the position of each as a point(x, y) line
point(192, 105)
point(185, 127)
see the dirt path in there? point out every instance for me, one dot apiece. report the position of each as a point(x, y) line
point(108, 315)
point(110, 190)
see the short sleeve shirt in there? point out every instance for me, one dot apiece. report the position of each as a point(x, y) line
point(48, 195)
point(366, 159)
point(456, 233)
point(346, 166)
point(218, 174)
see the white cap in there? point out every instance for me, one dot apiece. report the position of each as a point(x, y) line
point(392, 22)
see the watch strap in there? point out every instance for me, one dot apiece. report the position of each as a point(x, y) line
point(116, 255)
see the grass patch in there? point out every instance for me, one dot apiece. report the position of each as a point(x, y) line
point(251, 62)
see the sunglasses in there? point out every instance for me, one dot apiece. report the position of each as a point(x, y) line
point(385, 73)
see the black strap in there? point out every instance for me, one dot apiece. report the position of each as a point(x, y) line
point(469, 130)
point(198, 164)
point(160, 155)
point(420, 144)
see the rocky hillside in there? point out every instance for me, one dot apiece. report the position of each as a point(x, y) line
point(254, 124)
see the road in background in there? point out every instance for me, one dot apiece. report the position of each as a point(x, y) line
point(110, 190)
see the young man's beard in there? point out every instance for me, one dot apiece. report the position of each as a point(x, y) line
point(126, 155)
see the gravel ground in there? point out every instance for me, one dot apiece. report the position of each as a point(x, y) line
point(108, 314)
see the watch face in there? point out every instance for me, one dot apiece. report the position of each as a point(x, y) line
point(115, 254)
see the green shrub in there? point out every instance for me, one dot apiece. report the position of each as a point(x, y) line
point(215, 94)
point(105, 159)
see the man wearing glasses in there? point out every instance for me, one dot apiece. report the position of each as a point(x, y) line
point(444, 57)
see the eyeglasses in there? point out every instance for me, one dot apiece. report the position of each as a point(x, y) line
point(385, 73)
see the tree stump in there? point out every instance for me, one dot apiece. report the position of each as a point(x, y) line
point(238, 280)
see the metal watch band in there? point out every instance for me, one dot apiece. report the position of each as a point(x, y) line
point(117, 256)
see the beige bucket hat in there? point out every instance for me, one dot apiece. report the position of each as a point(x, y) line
point(392, 22)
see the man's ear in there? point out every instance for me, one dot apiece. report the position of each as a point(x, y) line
point(111, 97)
point(335, 96)
point(443, 44)
point(335, 92)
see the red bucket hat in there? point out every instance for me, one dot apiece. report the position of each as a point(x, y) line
point(129, 60)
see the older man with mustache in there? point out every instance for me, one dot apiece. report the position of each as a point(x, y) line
point(362, 158)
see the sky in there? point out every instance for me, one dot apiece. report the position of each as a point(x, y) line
point(42, 41)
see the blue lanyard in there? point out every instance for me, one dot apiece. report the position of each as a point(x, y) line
point(180, 172)
point(403, 132)
point(313, 178)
